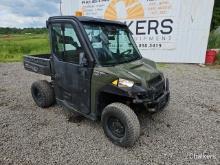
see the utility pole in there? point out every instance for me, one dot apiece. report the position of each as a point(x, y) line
point(61, 7)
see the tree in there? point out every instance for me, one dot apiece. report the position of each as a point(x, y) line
point(216, 15)
point(8, 30)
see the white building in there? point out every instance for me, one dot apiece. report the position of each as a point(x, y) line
point(164, 30)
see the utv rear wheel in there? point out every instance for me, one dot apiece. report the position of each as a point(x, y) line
point(43, 93)
point(120, 124)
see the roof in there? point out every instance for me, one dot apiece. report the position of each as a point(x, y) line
point(87, 19)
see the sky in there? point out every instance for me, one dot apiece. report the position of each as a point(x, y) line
point(27, 13)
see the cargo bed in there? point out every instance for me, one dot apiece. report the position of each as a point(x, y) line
point(38, 63)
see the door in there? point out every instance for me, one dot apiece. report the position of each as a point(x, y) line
point(72, 78)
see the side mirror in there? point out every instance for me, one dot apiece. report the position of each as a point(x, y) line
point(82, 60)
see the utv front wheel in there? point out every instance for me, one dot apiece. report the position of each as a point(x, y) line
point(42, 93)
point(120, 124)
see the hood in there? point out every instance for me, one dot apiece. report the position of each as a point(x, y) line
point(139, 71)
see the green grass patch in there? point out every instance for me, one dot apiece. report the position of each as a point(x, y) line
point(218, 59)
point(162, 65)
point(14, 47)
point(214, 40)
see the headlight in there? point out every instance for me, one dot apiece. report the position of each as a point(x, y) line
point(123, 83)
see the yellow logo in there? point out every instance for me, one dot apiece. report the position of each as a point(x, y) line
point(124, 9)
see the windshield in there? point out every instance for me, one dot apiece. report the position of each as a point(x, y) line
point(113, 44)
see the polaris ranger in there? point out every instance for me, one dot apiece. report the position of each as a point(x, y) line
point(97, 71)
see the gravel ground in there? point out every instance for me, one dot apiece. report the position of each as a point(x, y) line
point(187, 132)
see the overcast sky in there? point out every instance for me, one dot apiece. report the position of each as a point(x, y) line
point(27, 13)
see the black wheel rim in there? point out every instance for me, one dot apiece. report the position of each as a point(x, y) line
point(37, 94)
point(116, 127)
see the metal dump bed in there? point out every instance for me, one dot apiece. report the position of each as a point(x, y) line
point(38, 64)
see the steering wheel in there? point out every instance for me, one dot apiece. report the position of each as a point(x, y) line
point(126, 52)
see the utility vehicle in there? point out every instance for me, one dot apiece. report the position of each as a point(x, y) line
point(97, 71)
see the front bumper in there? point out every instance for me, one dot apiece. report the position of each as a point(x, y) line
point(154, 98)
point(155, 104)
point(159, 104)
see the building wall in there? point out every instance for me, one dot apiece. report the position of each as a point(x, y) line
point(69, 7)
point(191, 25)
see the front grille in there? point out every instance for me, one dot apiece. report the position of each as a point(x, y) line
point(158, 84)
point(159, 89)
point(155, 80)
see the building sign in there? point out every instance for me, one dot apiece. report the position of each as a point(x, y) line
point(152, 22)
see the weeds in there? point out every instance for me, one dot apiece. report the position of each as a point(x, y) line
point(218, 59)
point(214, 40)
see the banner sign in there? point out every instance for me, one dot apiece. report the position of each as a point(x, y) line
point(152, 22)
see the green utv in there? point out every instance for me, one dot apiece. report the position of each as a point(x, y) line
point(97, 71)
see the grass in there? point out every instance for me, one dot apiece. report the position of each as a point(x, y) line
point(218, 59)
point(214, 40)
point(13, 47)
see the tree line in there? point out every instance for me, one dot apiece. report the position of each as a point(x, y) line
point(216, 15)
point(7, 30)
